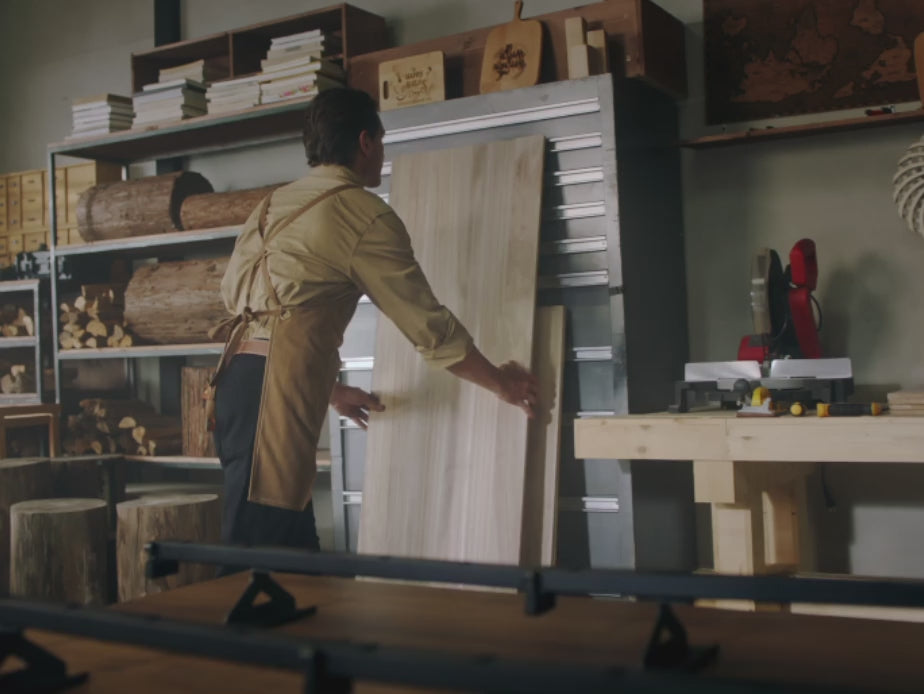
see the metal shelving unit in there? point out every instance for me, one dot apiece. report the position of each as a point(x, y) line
point(33, 342)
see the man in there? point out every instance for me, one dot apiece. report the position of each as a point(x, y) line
point(303, 260)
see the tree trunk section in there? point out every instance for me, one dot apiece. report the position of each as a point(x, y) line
point(197, 439)
point(189, 517)
point(177, 302)
point(140, 207)
point(59, 550)
point(21, 479)
point(208, 210)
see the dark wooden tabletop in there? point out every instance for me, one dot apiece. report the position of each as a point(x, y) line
point(770, 647)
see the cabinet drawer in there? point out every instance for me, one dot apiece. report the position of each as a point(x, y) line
point(33, 241)
point(5, 261)
point(13, 185)
point(31, 183)
point(32, 203)
point(33, 220)
point(13, 220)
point(14, 243)
point(3, 245)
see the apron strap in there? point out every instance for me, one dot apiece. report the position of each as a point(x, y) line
point(235, 326)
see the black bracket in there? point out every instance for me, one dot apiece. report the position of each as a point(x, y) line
point(669, 649)
point(157, 567)
point(537, 601)
point(318, 679)
point(279, 609)
point(44, 671)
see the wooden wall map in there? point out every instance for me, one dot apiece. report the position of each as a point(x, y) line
point(769, 58)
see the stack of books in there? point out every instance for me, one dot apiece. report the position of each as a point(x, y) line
point(198, 70)
point(101, 114)
point(234, 94)
point(295, 67)
point(168, 101)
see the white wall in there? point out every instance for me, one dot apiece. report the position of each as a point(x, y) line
point(834, 188)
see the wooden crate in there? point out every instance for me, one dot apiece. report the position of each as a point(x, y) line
point(645, 42)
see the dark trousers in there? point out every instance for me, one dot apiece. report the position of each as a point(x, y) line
point(237, 404)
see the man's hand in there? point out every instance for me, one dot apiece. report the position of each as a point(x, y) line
point(518, 387)
point(355, 403)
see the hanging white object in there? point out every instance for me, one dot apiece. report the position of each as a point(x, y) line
point(908, 187)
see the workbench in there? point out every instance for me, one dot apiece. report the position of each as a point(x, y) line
point(752, 470)
point(776, 648)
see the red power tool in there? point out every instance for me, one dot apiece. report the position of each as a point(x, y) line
point(783, 307)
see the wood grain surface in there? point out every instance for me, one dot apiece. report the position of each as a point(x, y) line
point(540, 498)
point(445, 462)
point(512, 54)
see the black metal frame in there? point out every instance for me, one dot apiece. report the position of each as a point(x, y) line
point(542, 585)
point(332, 666)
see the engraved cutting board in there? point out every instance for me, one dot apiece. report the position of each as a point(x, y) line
point(512, 54)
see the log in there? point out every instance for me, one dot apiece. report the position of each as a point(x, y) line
point(190, 517)
point(207, 210)
point(139, 207)
point(176, 302)
point(59, 550)
point(21, 479)
point(197, 440)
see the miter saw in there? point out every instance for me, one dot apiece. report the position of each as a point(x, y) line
point(781, 362)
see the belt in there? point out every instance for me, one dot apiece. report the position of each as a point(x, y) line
point(258, 347)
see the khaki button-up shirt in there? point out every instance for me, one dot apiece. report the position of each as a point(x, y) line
point(352, 240)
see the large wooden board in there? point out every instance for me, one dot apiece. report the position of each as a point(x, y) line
point(540, 499)
point(445, 461)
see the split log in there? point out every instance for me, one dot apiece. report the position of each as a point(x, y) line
point(189, 517)
point(197, 439)
point(21, 479)
point(17, 380)
point(139, 207)
point(59, 550)
point(15, 321)
point(176, 302)
point(208, 210)
point(109, 426)
point(94, 319)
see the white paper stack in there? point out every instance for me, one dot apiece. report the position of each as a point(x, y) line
point(168, 101)
point(198, 70)
point(101, 114)
point(295, 67)
point(308, 45)
point(234, 94)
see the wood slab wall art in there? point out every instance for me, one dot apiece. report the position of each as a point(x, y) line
point(768, 58)
point(445, 462)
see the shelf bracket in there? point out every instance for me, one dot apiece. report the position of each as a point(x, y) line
point(538, 601)
point(43, 671)
point(279, 609)
point(669, 649)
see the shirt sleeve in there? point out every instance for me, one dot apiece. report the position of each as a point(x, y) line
point(383, 265)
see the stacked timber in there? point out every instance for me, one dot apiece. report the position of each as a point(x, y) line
point(176, 303)
point(139, 207)
point(15, 378)
point(907, 403)
point(207, 210)
point(96, 318)
point(15, 321)
point(121, 426)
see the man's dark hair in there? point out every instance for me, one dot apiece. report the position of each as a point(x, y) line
point(334, 120)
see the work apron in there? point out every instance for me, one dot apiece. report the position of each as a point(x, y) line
point(302, 363)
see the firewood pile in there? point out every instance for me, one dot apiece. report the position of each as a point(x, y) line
point(15, 322)
point(121, 426)
point(96, 318)
point(15, 378)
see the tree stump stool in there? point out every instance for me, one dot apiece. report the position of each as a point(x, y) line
point(184, 517)
point(21, 479)
point(59, 550)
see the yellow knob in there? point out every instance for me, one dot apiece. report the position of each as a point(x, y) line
point(796, 409)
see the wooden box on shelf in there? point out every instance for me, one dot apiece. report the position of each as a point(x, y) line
point(241, 50)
